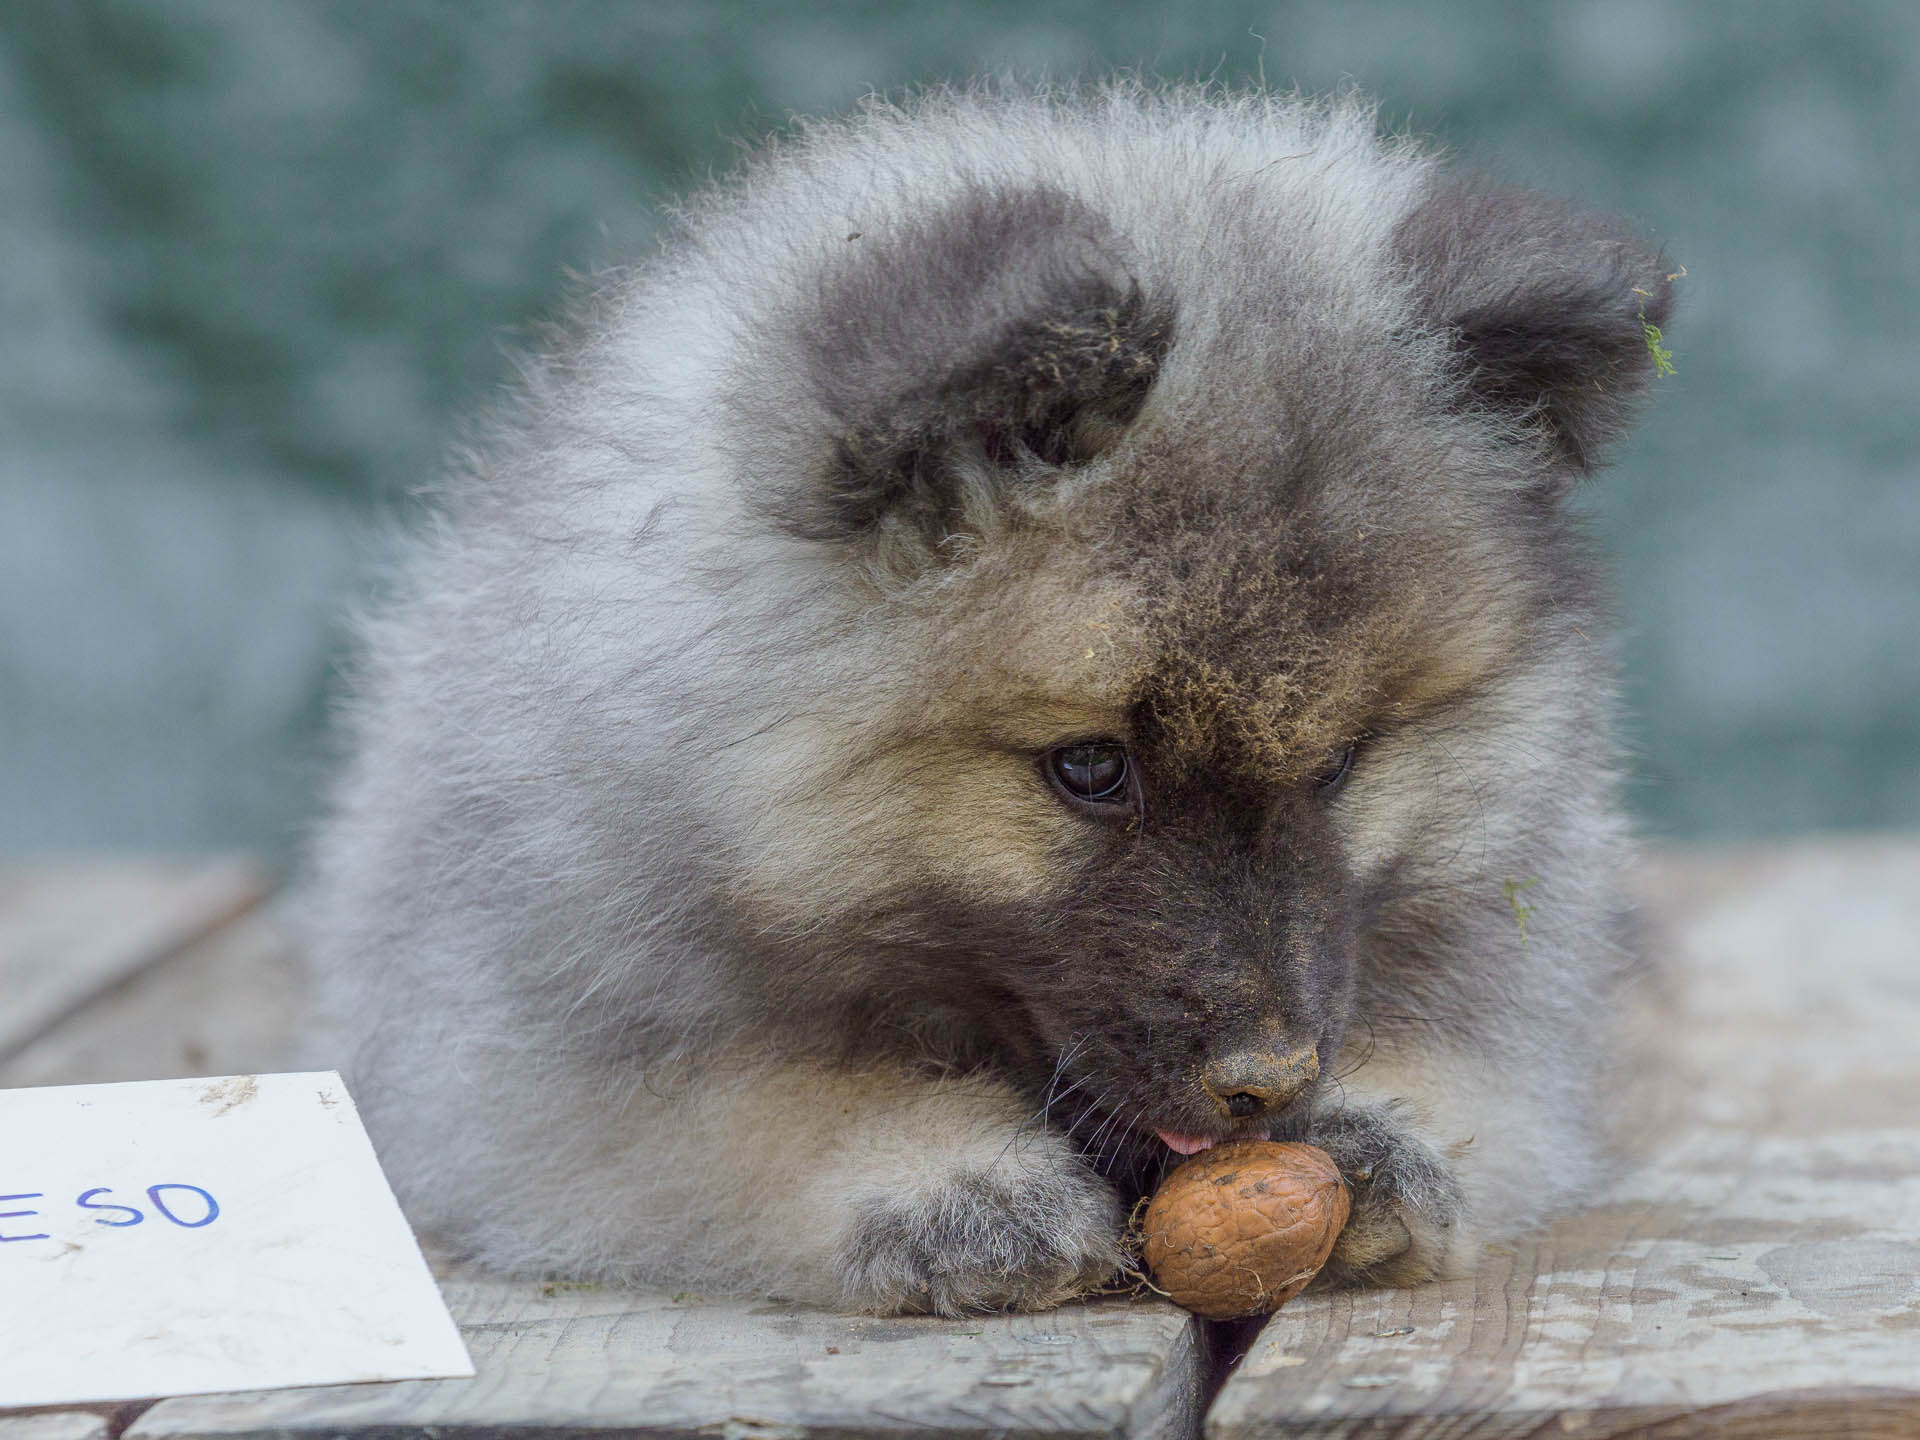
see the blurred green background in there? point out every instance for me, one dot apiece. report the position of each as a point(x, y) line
point(258, 259)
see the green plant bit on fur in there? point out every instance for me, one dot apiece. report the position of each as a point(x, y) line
point(1521, 910)
point(1662, 356)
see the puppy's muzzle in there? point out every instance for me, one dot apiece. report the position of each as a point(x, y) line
point(1258, 1082)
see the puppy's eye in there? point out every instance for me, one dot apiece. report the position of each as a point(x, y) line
point(1335, 776)
point(1091, 774)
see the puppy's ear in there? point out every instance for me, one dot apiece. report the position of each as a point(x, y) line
point(1000, 336)
point(1548, 309)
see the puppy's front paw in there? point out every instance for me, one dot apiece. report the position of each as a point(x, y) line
point(978, 1238)
point(1407, 1205)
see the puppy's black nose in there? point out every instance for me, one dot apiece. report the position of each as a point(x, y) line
point(1253, 1082)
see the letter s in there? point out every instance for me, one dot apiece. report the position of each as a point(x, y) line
point(85, 1202)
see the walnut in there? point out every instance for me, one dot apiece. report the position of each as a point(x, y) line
point(1240, 1229)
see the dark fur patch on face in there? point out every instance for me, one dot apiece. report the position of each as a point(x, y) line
point(1547, 307)
point(1315, 590)
point(1226, 925)
point(1005, 329)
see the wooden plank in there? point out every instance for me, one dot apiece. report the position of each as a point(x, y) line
point(53, 1425)
point(68, 933)
point(589, 1362)
point(1755, 1271)
point(224, 1005)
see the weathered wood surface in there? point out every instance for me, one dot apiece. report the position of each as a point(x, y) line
point(225, 1004)
point(69, 933)
point(55, 1425)
point(595, 1362)
point(1755, 1271)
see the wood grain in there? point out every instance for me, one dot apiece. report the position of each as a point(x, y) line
point(555, 1360)
point(225, 1004)
point(69, 933)
point(1754, 1270)
point(54, 1425)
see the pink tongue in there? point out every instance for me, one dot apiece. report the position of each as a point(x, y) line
point(1185, 1144)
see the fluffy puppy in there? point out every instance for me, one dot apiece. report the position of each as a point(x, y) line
point(1042, 631)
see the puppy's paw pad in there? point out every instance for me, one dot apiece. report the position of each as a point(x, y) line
point(983, 1240)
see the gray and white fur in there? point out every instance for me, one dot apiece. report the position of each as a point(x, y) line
point(1040, 628)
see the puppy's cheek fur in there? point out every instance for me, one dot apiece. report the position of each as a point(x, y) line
point(997, 835)
point(1423, 782)
point(927, 764)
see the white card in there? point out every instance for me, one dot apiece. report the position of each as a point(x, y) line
point(178, 1237)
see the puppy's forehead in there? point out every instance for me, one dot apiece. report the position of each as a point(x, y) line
point(1287, 603)
point(1262, 664)
point(1242, 603)
point(1046, 646)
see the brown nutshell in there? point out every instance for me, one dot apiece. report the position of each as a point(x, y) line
point(1240, 1229)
